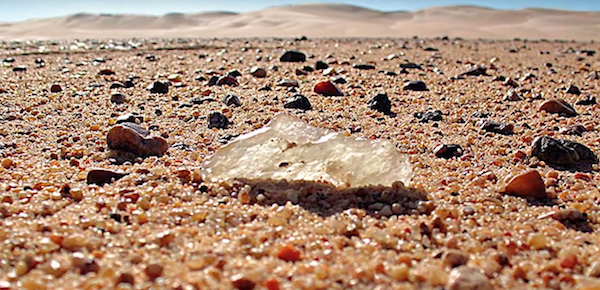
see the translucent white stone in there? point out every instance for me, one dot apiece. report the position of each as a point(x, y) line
point(287, 148)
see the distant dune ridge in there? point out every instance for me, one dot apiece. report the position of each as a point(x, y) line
point(320, 20)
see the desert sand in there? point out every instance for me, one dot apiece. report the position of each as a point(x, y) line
point(320, 20)
point(104, 142)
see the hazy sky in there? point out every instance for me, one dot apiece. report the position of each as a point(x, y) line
point(16, 10)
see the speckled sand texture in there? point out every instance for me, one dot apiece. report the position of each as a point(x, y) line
point(162, 227)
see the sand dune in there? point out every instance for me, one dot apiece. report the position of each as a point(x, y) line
point(320, 20)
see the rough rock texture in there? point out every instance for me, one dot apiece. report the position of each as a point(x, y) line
point(562, 152)
point(288, 148)
point(293, 56)
point(381, 103)
point(298, 102)
point(132, 138)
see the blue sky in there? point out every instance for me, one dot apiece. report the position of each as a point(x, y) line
point(17, 10)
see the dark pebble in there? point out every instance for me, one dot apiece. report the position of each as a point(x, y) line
point(200, 101)
point(131, 137)
point(298, 102)
point(103, 176)
point(415, 86)
point(380, 103)
point(227, 80)
point(410, 65)
point(129, 118)
point(19, 68)
point(588, 101)
point(213, 80)
point(562, 152)
point(265, 89)
point(339, 80)
point(573, 90)
point(577, 130)
point(117, 85)
point(448, 151)
point(106, 72)
point(476, 71)
point(55, 88)
point(217, 120)
point(364, 66)
point(293, 56)
point(243, 283)
point(234, 73)
point(232, 100)
point(429, 116)
point(321, 65)
point(158, 88)
point(496, 127)
point(480, 115)
point(117, 98)
point(115, 216)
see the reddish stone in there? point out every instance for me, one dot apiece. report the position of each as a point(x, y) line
point(327, 88)
point(227, 80)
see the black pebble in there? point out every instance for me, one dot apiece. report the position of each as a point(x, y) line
point(380, 103)
point(217, 120)
point(429, 116)
point(298, 102)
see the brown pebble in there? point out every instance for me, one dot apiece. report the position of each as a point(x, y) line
point(258, 72)
point(106, 72)
point(241, 283)
point(124, 137)
point(55, 88)
point(571, 214)
point(573, 130)
point(328, 88)
point(103, 176)
point(125, 278)
point(154, 271)
point(227, 80)
point(455, 258)
point(558, 106)
point(88, 266)
point(466, 278)
point(529, 184)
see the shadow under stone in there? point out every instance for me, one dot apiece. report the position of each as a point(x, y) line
point(325, 199)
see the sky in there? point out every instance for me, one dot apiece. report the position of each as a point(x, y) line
point(18, 10)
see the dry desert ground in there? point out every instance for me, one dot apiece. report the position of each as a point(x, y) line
point(104, 144)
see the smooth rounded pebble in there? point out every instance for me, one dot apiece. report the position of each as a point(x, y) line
point(528, 184)
point(327, 88)
point(258, 72)
point(415, 86)
point(558, 106)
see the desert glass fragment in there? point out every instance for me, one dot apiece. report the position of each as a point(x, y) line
point(287, 148)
